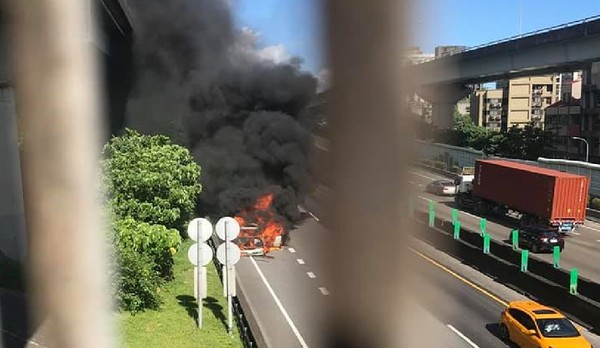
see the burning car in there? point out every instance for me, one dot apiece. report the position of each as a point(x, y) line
point(260, 232)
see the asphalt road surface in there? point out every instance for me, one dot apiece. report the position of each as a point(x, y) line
point(288, 295)
point(582, 247)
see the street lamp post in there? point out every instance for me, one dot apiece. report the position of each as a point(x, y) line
point(587, 147)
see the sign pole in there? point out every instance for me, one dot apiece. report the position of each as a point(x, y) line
point(198, 277)
point(229, 309)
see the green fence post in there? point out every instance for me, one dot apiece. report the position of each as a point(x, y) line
point(556, 252)
point(573, 284)
point(457, 230)
point(454, 216)
point(486, 243)
point(515, 239)
point(482, 223)
point(431, 214)
point(524, 260)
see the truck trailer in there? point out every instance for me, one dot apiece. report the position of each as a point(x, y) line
point(534, 195)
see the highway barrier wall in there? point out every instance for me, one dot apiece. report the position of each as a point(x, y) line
point(542, 281)
point(453, 156)
point(248, 328)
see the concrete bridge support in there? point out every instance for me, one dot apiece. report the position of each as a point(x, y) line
point(443, 98)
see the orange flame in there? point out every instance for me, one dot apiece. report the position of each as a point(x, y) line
point(267, 230)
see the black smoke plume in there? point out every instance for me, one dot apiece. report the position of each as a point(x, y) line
point(204, 84)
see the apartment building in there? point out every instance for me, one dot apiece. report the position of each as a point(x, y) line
point(489, 108)
point(515, 102)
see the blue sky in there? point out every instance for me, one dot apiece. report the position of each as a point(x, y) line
point(296, 24)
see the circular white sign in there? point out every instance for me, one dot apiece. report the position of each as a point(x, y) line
point(233, 253)
point(199, 226)
point(233, 228)
point(206, 253)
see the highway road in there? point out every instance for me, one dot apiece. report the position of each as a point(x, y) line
point(288, 294)
point(582, 248)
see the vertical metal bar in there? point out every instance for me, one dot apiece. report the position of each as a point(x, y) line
point(370, 140)
point(58, 102)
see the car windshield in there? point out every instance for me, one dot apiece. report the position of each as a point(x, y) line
point(557, 327)
point(446, 183)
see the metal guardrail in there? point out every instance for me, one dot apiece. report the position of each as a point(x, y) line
point(246, 335)
point(524, 35)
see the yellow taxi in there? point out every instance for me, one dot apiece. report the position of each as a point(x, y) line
point(532, 325)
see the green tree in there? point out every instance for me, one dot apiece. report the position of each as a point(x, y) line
point(150, 179)
point(529, 143)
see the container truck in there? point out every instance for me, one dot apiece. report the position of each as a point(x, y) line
point(534, 195)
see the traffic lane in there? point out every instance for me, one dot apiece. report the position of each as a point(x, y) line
point(309, 242)
point(589, 232)
point(305, 303)
point(260, 304)
point(456, 303)
point(422, 328)
point(576, 253)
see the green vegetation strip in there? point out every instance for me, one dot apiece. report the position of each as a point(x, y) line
point(174, 325)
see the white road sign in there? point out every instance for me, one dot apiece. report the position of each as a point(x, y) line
point(233, 228)
point(233, 254)
point(201, 227)
point(206, 254)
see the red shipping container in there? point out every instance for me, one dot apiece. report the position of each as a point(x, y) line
point(547, 193)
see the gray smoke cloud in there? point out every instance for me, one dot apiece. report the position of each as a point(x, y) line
point(242, 111)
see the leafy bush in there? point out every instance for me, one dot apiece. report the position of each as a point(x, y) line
point(150, 179)
point(439, 165)
point(595, 203)
point(137, 282)
point(154, 241)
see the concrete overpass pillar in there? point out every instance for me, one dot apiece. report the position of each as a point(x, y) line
point(443, 98)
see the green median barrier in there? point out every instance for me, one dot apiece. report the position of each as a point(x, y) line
point(556, 253)
point(486, 243)
point(574, 280)
point(515, 239)
point(454, 216)
point(524, 260)
point(431, 214)
point(457, 230)
point(482, 226)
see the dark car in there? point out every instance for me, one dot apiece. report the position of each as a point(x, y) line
point(442, 187)
point(538, 239)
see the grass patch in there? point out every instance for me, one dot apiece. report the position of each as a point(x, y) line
point(174, 324)
point(11, 274)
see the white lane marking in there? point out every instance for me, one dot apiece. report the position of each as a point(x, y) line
point(292, 250)
point(313, 216)
point(591, 228)
point(575, 233)
point(427, 199)
point(311, 275)
point(281, 308)
point(598, 240)
point(324, 291)
point(300, 261)
point(420, 185)
point(461, 335)
point(424, 176)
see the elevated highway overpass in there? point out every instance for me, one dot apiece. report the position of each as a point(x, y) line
point(562, 48)
point(113, 42)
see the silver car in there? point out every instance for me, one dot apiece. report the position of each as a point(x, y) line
point(442, 187)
